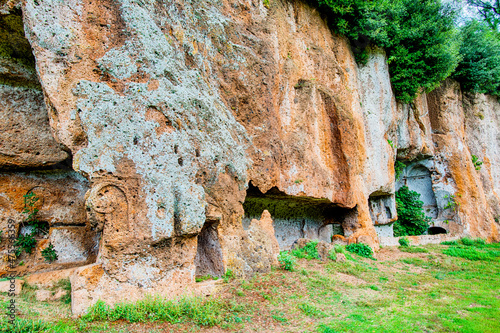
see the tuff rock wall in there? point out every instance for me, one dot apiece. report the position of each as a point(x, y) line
point(147, 128)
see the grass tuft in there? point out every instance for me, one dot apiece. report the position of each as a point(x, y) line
point(413, 249)
point(204, 312)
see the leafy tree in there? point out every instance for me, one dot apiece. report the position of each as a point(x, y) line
point(479, 69)
point(411, 218)
point(489, 11)
point(418, 36)
point(422, 48)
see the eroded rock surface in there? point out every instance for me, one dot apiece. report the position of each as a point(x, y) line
point(207, 136)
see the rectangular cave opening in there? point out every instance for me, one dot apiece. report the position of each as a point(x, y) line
point(37, 229)
point(297, 217)
point(208, 259)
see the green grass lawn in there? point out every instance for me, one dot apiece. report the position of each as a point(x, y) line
point(435, 288)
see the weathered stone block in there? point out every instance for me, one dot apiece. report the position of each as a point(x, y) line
point(60, 194)
point(25, 135)
point(73, 244)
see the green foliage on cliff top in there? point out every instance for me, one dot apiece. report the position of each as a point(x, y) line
point(418, 36)
point(479, 69)
point(423, 42)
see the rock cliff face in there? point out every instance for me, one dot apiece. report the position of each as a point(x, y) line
point(204, 136)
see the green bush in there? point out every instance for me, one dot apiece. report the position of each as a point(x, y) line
point(479, 69)
point(411, 218)
point(332, 255)
point(25, 243)
point(49, 253)
point(229, 275)
point(473, 242)
point(403, 241)
point(418, 36)
point(360, 249)
point(339, 248)
point(309, 251)
point(287, 262)
point(449, 242)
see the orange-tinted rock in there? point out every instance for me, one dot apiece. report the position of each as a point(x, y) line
point(171, 110)
point(453, 157)
point(60, 196)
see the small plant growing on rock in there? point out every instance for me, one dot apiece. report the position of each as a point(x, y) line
point(49, 253)
point(229, 275)
point(25, 243)
point(403, 241)
point(332, 255)
point(286, 260)
point(477, 163)
point(398, 168)
point(360, 249)
point(452, 203)
point(30, 200)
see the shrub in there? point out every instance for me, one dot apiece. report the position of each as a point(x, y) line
point(418, 36)
point(287, 262)
point(309, 251)
point(25, 243)
point(339, 248)
point(411, 218)
point(49, 253)
point(229, 275)
point(479, 69)
point(452, 203)
point(332, 255)
point(403, 241)
point(360, 249)
point(473, 242)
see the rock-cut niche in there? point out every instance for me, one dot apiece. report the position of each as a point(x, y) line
point(208, 260)
point(418, 178)
point(297, 217)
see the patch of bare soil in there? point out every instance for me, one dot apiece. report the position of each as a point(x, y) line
point(393, 253)
point(351, 279)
